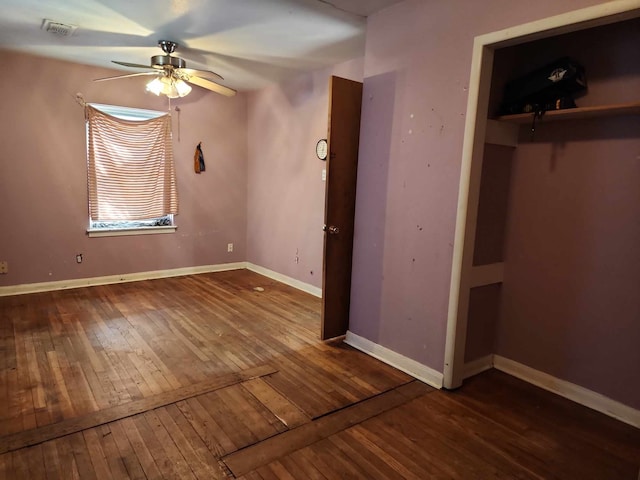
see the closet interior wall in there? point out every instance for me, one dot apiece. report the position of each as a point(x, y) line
point(561, 213)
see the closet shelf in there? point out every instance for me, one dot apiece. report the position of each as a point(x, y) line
point(632, 108)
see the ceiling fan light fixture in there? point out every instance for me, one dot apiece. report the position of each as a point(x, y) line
point(183, 88)
point(169, 86)
point(155, 86)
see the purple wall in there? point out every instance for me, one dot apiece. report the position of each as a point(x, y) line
point(43, 187)
point(570, 297)
point(285, 188)
point(417, 65)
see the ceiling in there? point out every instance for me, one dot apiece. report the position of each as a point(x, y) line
point(251, 43)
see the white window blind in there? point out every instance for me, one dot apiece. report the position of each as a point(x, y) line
point(131, 173)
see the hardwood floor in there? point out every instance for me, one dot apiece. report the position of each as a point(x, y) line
point(206, 377)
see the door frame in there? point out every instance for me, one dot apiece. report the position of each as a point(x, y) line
point(484, 47)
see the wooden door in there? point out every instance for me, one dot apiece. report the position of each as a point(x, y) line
point(345, 101)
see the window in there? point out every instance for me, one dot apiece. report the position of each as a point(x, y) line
point(131, 173)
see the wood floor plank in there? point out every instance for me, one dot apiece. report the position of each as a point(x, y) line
point(24, 383)
point(315, 461)
point(551, 411)
point(14, 421)
point(279, 471)
point(163, 458)
point(89, 364)
point(372, 465)
point(300, 461)
point(113, 344)
point(81, 456)
point(202, 463)
point(337, 459)
point(38, 435)
point(320, 386)
point(259, 419)
point(403, 431)
point(198, 445)
point(544, 450)
point(211, 434)
point(37, 464)
point(251, 476)
point(191, 342)
point(68, 467)
point(173, 456)
point(392, 456)
point(494, 447)
point(110, 380)
point(20, 464)
point(114, 457)
point(266, 473)
point(282, 408)
point(96, 453)
point(232, 425)
point(51, 460)
point(37, 387)
point(5, 466)
point(85, 400)
point(65, 403)
point(308, 400)
point(134, 449)
point(263, 453)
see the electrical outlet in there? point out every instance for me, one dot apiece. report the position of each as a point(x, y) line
point(4, 267)
point(229, 247)
point(79, 258)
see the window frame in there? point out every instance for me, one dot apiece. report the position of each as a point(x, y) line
point(127, 113)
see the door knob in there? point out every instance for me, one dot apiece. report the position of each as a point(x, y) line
point(332, 229)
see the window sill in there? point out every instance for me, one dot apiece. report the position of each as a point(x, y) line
point(131, 231)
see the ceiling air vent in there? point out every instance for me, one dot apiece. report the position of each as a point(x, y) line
point(58, 28)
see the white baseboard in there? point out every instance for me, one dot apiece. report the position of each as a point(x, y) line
point(405, 364)
point(292, 282)
point(111, 279)
point(138, 276)
point(569, 390)
point(479, 365)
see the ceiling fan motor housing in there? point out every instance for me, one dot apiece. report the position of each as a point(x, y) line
point(161, 61)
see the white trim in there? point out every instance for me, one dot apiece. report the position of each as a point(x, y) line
point(405, 364)
point(479, 365)
point(475, 126)
point(466, 214)
point(573, 21)
point(581, 395)
point(111, 279)
point(292, 282)
point(131, 231)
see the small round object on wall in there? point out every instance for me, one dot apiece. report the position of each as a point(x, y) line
point(322, 149)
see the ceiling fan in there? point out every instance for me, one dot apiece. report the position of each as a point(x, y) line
point(172, 75)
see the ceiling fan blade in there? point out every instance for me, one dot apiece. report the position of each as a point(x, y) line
point(201, 73)
point(133, 65)
point(213, 86)
point(125, 76)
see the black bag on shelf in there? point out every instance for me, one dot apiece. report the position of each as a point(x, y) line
point(552, 87)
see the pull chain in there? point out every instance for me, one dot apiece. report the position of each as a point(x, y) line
point(178, 110)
